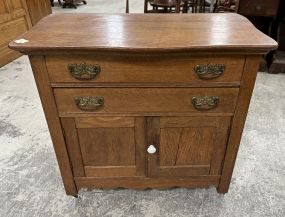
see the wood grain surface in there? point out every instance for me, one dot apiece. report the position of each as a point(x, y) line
point(139, 32)
point(145, 100)
point(147, 69)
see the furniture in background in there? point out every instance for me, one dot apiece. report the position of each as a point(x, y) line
point(145, 111)
point(195, 6)
point(162, 6)
point(52, 2)
point(278, 60)
point(177, 6)
point(127, 6)
point(264, 15)
point(38, 9)
point(72, 3)
point(226, 6)
point(16, 17)
point(14, 21)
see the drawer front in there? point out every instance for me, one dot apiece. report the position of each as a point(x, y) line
point(144, 101)
point(259, 7)
point(145, 69)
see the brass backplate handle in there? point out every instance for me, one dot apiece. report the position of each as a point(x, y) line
point(209, 71)
point(205, 102)
point(89, 103)
point(84, 71)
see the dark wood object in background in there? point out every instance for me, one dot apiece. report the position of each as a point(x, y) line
point(52, 2)
point(162, 6)
point(278, 62)
point(134, 109)
point(267, 16)
point(196, 6)
point(72, 3)
point(127, 6)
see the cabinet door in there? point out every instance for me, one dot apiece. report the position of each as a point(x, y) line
point(106, 146)
point(186, 146)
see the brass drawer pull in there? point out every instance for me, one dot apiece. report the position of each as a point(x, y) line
point(89, 103)
point(205, 102)
point(210, 71)
point(83, 71)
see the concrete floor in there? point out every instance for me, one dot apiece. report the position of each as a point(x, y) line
point(30, 183)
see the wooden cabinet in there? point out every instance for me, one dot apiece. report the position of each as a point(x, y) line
point(14, 21)
point(127, 107)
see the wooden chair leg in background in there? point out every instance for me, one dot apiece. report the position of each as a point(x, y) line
point(127, 7)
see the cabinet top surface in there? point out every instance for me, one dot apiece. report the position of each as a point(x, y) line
point(145, 32)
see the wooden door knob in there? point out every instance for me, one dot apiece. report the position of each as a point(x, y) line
point(151, 149)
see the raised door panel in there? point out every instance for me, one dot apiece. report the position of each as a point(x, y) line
point(38, 9)
point(16, 4)
point(14, 21)
point(17, 9)
point(106, 146)
point(109, 146)
point(187, 146)
point(11, 30)
point(4, 10)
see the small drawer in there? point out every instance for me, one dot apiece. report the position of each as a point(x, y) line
point(145, 101)
point(161, 70)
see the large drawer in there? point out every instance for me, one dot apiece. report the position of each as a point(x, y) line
point(161, 70)
point(145, 100)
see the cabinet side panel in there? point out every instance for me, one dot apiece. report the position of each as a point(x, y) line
point(247, 85)
point(49, 106)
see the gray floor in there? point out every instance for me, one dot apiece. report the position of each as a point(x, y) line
point(30, 183)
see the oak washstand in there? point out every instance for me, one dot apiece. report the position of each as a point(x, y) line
point(145, 100)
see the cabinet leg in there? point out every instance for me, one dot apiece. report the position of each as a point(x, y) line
point(222, 190)
point(71, 191)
